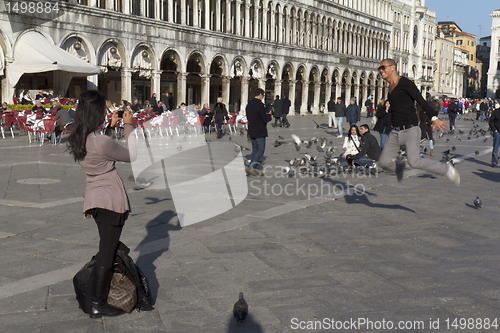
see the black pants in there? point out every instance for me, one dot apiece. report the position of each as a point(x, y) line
point(109, 236)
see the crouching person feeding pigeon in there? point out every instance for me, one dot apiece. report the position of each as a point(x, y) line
point(405, 131)
point(257, 130)
point(369, 150)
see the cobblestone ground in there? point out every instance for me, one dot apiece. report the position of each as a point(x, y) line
point(414, 256)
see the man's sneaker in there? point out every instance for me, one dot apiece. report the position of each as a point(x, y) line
point(252, 171)
point(453, 175)
point(373, 165)
point(339, 136)
point(400, 167)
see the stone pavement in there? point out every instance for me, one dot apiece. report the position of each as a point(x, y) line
point(415, 253)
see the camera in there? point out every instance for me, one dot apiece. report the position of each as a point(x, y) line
point(120, 113)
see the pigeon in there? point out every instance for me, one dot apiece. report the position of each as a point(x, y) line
point(485, 140)
point(242, 132)
point(240, 309)
point(477, 202)
point(238, 148)
point(446, 152)
point(460, 131)
point(277, 143)
point(447, 140)
point(476, 152)
point(297, 141)
point(453, 148)
point(441, 135)
point(280, 137)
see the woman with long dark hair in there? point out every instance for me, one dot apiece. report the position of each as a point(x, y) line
point(106, 199)
point(351, 142)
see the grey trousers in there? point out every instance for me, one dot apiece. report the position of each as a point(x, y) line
point(411, 139)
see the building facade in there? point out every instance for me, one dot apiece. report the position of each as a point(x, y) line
point(199, 50)
point(413, 42)
point(493, 87)
point(445, 57)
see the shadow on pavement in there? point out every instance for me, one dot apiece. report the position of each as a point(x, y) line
point(488, 175)
point(362, 199)
point(158, 228)
point(248, 326)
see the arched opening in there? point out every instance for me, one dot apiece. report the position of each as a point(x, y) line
point(193, 80)
point(168, 80)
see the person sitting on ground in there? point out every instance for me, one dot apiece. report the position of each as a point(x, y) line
point(351, 143)
point(369, 151)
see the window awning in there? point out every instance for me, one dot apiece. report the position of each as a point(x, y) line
point(33, 53)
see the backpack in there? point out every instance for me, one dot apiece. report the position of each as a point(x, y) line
point(132, 271)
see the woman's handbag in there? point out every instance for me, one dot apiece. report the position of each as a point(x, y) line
point(122, 292)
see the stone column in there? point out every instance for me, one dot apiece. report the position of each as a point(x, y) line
point(364, 94)
point(291, 96)
point(256, 21)
point(205, 88)
point(170, 11)
point(328, 94)
point(92, 3)
point(181, 88)
point(379, 92)
point(338, 90)
point(155, 83)
point(226, 81)
point(287, 30)
point(92, 82)
point(356, 94)
point(264, 23)
point(273, 36)
point(126, 80)
point(157, 8)
point(247, 19)
point(126, 7)
point(109, 5)
point(238, 17)
point(315, 104)
point(196, 16)
point(262, 84)
point(244, 94)
point(347, 94)
point(9, 92)
point(183, 15)
point(229, 26)
point(218, 25)
point(143, 8)
point(277, 88)
point(305, 94)
point(207, 14)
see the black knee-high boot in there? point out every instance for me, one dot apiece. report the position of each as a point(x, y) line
point(100, 279)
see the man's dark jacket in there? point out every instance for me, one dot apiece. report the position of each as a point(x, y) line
point(339, 109)
point(494, 121)
point(257, 119)
point(353, 113)
point(453, 109)
point(278, 108)
point(369, 146)
point(331, 106)
point(286, 105)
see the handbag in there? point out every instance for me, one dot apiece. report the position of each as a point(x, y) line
point(122, 292)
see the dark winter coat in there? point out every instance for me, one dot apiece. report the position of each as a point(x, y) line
point(278, 108)
point(383, 124)
point(369, 146)
point(257, 119)
point(353, 113)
